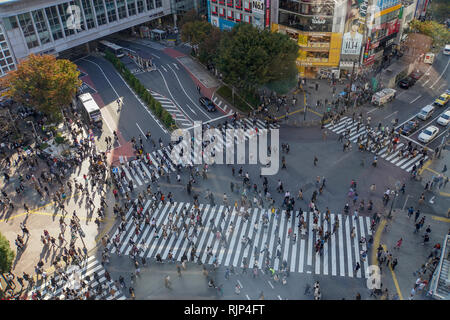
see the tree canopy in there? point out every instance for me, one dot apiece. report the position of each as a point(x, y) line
point(438, 32)
point(6, 255)
point(43, 82)
point(195, 32)
point(248, 56)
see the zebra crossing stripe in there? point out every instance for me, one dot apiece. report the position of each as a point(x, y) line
point(325, 250)
point(310, 239)
point(349, 248)
point(333, 247)
point(356, 246)
point(233, 239)
point(130, 225)
point(176, 250)
point(158, 238)
point(364, 246)
point(136, 237)
point(317, 256)
point(256, 236)
point(264, 239)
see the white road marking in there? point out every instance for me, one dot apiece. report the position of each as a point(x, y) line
point(191, 109)
point(156, 56)
point(248, 298)
point(439, 78)
point(270, 284)
point(141, 131)
point(164, 68)
point(240, 284)
point(370, 111)
point(176, 66)
point(415, 99)
point(279, 297)
point(178, 79)
point(390, 115)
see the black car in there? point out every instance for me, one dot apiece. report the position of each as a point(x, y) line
point(407, 82)
point(207, 104)
point(409, 127)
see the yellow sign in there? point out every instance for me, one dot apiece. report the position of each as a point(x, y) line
point(388, 10)
point(302, 40)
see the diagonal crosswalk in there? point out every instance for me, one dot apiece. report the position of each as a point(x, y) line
point(140, 171)
point(86, 273)
point(170, 106)
point(395, 157)
point(339, 256)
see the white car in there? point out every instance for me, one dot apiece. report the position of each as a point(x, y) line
point(444, 119)
point(428, 134)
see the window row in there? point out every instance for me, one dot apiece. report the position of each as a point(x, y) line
point(230, 14)
point(237, 4)
point(66, 19)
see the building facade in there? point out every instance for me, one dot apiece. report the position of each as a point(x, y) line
point(224, 14)
point(316, 26)
point(42, 26)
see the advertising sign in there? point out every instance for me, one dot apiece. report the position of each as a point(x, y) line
point(267, 24)
point(354, 27)
point(225, 24)
point(258, 6)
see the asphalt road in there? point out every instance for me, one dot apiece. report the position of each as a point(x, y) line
point(408, 102)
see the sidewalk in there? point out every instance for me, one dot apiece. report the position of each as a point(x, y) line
point(411, 255)
point(433, 171)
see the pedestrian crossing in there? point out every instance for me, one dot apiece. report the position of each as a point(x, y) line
point(160, 162)
point(393, 156)
point(339, 256)
point(75, 274)
point(180, 118)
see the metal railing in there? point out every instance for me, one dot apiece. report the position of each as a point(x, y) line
point(437, 273)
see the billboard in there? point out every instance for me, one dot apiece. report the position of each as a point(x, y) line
point(258, 6)
point(355, 25)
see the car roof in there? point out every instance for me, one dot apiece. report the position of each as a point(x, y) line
point(432, 128)
point(447, 112)
point(428, 107)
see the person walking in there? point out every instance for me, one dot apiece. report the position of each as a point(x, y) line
point(394, 263)
point(167, 282)
point(315, 160)
point(237, 289)
point(399, 243)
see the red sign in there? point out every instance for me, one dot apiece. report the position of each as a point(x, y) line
point(267, 24)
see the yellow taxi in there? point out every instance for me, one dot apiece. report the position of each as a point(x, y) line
point(442, 99)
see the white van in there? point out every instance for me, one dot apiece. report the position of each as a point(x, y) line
point(426, 112)
point(447, 50)
point(383, 96)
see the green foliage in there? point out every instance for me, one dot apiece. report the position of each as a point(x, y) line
point(227, 94)
point(249, 57)
point(44, 83)
point(438, 32)
point(439, 10)
point(142, 92)
point(6, 255)
point(195, 32)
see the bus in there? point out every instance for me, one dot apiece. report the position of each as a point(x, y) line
point(90, 109)
point(109, 46)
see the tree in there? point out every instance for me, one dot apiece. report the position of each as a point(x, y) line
point(438, 32)
point(45, 83)
point(195, 32)
point(248, 57)
point(209, 47)
point(189, 16)
point(6, 255)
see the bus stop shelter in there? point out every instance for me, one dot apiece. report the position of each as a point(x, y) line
point(158, 34)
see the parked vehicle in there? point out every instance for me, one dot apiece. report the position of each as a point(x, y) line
point(442, 100)
point(429, 58)
point(383, 96)
point(425, 112)
point(444, 119)
point(409, 127)
point(416, 75)
point(407, 82)
point(428, 134)
point(207, 104)
point(447, 49)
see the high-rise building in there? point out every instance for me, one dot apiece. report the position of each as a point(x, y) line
point(55, 26)
point(226, 13)
point(317, 27)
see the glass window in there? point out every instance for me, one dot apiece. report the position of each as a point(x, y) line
point(55, 25)
point(158, 3)
point(62, 8)
point(150, 5)
point(28, 30)
point(88, 13)
point(41, 26)
point(121, 7)
point(82, 22)
point(111, 8)
point(131, 7)
point(100, 12)
point(140, 6)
